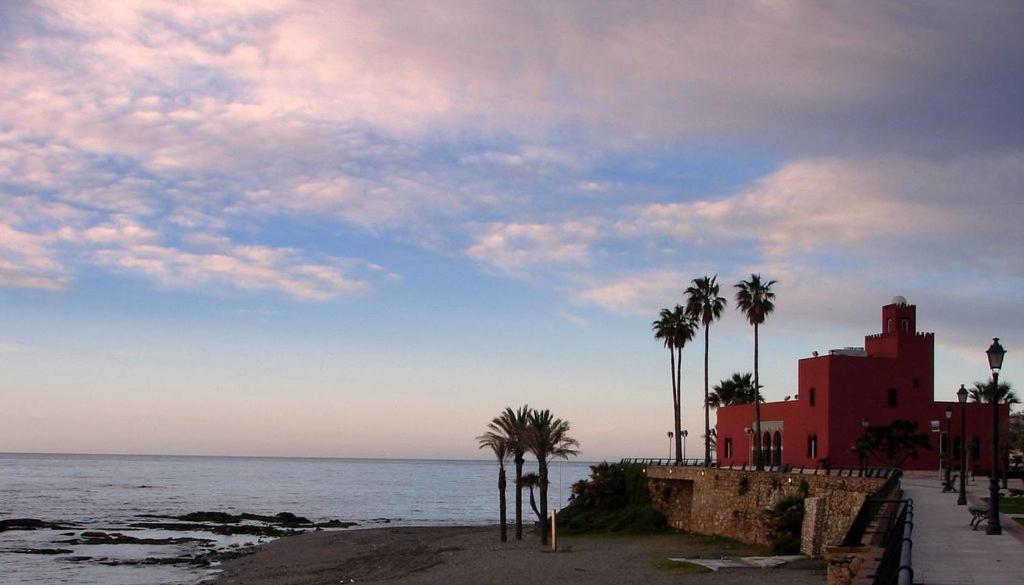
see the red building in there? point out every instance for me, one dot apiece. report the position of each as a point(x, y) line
point(890, 378)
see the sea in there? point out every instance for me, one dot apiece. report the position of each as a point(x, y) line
point(109, 492)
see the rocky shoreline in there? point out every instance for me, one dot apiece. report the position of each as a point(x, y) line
point(194, 549)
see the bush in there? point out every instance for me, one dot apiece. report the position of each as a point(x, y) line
point(614, 499)
point(784, 522)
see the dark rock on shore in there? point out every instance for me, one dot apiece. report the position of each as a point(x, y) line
point(225, 529)
point(39, 551)
point(91, 537)
point(30, 524)
point(283, 520)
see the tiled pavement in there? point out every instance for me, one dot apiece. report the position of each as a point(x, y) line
point(946, 551)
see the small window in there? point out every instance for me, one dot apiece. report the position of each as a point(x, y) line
point(810, 396)
point(905, 324)
point(812, 446)
point(888, 326)
point(893, 399)
point(917, 383)
point(728, 447)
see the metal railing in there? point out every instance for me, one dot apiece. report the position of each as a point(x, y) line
point(873, 472)
point(896, 566)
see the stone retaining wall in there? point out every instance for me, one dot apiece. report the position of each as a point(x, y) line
point(732, 503)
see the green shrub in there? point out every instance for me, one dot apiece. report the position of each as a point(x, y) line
point(614, 499)
point(784, 523)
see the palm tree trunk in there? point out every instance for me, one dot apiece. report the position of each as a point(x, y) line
point(519, 496)
point(678, 390)
point(501, 500)
point(758, 456)
point(707, 408)
point(542, 468)
point(675, 397)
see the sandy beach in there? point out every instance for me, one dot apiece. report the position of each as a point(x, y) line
point(473, 555)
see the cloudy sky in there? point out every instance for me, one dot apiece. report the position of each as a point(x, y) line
point(362, 228)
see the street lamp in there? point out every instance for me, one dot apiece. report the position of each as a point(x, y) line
point(995, 363)
point(750, 434)
point(670, 435)
point(949, 437)
point(961, 396)
point(685, 433)
point(864, 424)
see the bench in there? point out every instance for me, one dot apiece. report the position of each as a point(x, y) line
point(978, 514)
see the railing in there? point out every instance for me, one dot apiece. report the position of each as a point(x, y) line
point(896, 565)
point(875, 472)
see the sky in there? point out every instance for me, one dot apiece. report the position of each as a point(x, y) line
point(364, 228)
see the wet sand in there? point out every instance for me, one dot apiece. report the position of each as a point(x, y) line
point(474, 556)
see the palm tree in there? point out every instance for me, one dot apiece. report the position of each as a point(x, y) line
point(511, 424)
point(704, 304)
point(499, 445)
point(739, 389)
point(754, 297)
point(982, 392)
point(548, 437)
point(675, 330)
point(532, 480)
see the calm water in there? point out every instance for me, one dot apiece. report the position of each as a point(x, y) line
point(110, 491)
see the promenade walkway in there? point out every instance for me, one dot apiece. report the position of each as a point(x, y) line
point(946, 550)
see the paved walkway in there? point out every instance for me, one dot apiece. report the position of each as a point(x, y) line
point(946, 550)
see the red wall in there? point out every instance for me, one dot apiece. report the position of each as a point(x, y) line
point(850, 388)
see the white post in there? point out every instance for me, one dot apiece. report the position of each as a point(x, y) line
point(554, 530)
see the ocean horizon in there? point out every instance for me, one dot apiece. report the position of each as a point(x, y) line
point(112, 492)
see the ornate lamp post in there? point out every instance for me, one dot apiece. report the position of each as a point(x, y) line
point(995, 363)
point(949, 439)
point(685, 433)
point(864, 424)
point(961, 396)
point(670, 435)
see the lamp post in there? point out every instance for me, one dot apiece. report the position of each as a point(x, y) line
point(949, 438)
point(685, 433)
point(864, 424)
point(750, 434)
point(961, 396)
point(670, 435)
point(995, 363)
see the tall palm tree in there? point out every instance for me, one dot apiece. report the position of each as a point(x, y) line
point(499, 446)
point(754, 297)
point(705, 305)
point(512, 424)
point(675, 330)
point(739, 389)
point(548, 438)
point(982, 392)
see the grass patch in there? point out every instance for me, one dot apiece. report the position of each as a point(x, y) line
point(1009, 505)
point(711, 546)
point(678, 566)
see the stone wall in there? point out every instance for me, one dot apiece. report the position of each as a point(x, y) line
point(729, 502)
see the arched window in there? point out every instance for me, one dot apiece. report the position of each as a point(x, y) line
point(888, 325)
point(812, 446)
point(766, 448)
point(777, 449)
point(810, 397)
point(728, 447)
point(905, 324)
point(893, 398)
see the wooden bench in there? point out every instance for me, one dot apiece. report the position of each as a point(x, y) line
point(978, 514)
